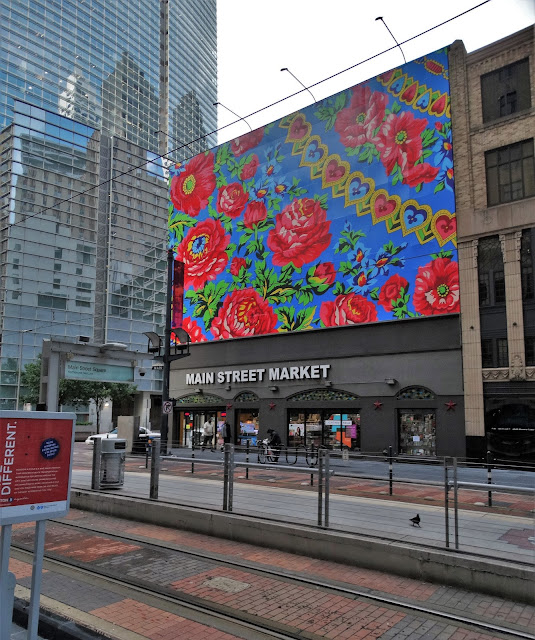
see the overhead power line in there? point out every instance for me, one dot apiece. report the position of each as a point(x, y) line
point(276, 102)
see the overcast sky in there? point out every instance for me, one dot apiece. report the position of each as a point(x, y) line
point(315, 39)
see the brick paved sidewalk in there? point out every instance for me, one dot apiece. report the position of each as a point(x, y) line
point(300, 607)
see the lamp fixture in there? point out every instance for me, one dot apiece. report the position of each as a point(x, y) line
point(274, 388)
point(296, 78)
point(390, 381)
point(233, 113)
point(390, 32)
point(328, 383)
point(228, 387)
point(199, 390)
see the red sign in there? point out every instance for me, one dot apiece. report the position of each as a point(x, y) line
point(35, 465)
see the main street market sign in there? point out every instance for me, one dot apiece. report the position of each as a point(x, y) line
point(273, 374)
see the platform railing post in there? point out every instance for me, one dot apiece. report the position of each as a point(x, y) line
point(226, 465)
point(390, 471)
point(320, 488)
point(327, 474)
point(489, 476)
point(97, 464)
point(446, 502)
point(155, 469)
point(230, 475)
point(455, 504)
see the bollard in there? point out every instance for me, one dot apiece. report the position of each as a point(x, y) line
point(247, 458)
point(390, 470)
point(489, 477)
point(192, 456)
point(155, 469)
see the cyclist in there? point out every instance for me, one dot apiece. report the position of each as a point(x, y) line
point(275, 443)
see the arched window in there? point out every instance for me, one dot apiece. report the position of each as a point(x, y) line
point(200, 398)
point(246, 396)
point(415, 393)
point(327, 395)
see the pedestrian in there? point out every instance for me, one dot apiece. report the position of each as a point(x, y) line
point(208, 434)
point(227, 436)
point(275, 443)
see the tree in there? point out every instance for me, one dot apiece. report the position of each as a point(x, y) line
point(81, 392)
point(74, 391)
point(30, 380)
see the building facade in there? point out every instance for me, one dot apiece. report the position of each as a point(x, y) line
point(91, 94)
point(320, 283)
point(493, 114)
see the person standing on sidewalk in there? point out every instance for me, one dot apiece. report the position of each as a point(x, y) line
point(226, 433)
point(208, 434)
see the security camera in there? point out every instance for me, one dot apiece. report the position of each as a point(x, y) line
point(142, 372)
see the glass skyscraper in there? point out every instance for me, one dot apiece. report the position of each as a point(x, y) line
point(91, 94)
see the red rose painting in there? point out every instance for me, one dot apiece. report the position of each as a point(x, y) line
point(436, 289)
point(391, 291)
point(301, 233)
point(256, 212)
point(203, 253)
point(242, 144)
point(347, 308)
point(399, 141)
point(193, 330)
point(191, 188)
point(324, 274)
point(356, 123)
point(236, 265)
point(231, 199)
point(244, 313)
point(249, 168)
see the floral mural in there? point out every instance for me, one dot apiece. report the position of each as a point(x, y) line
point(340, 214)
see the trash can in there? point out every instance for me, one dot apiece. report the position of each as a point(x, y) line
point(112, 460)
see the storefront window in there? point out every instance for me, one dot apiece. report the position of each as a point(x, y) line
point(296, 429)
point(248, 428)
point(191, 424)
point(417, 432)
point(323, 428)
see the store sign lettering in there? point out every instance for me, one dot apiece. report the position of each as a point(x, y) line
point(274, 374)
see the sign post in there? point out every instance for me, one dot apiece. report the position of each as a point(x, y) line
point(36, 463)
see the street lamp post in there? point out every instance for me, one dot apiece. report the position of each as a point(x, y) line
point(180, 350)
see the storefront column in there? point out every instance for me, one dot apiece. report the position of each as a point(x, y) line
point(471, 338)
point(513, 297)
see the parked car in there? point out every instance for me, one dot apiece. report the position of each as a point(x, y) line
point(143, 434)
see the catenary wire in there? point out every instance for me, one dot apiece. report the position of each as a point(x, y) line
point(179, 148)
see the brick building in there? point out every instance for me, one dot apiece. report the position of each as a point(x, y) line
point(493, 115)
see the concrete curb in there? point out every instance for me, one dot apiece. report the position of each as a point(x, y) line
point(499, 578)
point(53, 626)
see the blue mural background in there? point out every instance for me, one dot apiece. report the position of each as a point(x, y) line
point(343, 213)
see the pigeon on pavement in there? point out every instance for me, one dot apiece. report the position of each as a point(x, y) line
point(416, 520)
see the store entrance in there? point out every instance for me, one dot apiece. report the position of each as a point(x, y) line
point(417, 432)
point(191, 424)
point(247, 427)
point(334, 430)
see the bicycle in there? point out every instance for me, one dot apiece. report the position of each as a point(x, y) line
point(266, 453)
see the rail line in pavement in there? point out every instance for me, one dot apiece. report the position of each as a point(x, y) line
point(242, 622)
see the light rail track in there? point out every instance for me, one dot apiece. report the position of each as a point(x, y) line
point(239, 622)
